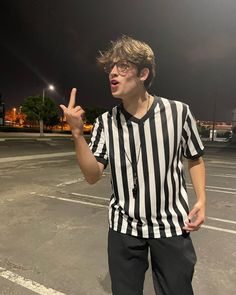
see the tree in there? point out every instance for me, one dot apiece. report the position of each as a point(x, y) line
point(52, 121)
point(37, 109)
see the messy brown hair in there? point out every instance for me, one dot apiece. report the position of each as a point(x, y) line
point(127, 48)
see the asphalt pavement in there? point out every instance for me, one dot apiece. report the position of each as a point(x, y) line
point(53, 225)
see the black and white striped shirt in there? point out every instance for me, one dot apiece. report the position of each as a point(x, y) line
point(166, 133)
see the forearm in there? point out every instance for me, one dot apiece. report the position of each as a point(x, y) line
point(86, 160)
point(197, 215)
point(198, 175)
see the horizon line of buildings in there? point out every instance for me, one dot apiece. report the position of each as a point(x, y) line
point(208, 124)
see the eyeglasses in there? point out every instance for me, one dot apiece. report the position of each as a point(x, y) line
point(122, 66)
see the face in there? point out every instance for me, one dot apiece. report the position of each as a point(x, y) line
point(124, 79)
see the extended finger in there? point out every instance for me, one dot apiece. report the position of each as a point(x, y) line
point(72, 98)
point(64, 108)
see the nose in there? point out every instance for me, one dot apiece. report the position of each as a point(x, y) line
point(113, 72)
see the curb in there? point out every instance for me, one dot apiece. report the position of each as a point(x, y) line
point(43, 139)
point(34, 139)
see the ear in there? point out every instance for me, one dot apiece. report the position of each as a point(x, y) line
point(144, 74)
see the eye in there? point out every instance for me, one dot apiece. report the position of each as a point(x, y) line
point(123, 65)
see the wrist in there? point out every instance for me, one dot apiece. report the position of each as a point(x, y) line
point(76, 133)
point(200, 203)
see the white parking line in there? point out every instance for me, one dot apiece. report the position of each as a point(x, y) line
point(106, 206)
point(220, 187)
point(80, 179)
point(212, 189)
point(219, 229)
point(219, 191)
point(35, 157)
point(217, 187)
point(72, 201)
point(71, 182)
point(223, 175)
point(89, 196)
point(28, 284)
point(222, 220)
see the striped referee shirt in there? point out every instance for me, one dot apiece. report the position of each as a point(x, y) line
point(152, 147)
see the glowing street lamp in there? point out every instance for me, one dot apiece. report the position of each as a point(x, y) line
point(52, 88)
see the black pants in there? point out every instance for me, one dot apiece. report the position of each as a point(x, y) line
point(172, 259)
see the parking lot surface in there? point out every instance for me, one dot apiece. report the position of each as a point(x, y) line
point(53, 225)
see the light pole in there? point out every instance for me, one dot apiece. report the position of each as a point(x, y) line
point(14, 116)
point(50, 87)
point(213, 123)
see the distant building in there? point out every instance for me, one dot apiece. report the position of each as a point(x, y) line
point(222, 130)
point(225, 126)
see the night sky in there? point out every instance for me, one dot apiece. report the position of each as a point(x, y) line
point(57, 41)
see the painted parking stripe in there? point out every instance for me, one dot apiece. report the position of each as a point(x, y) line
point(28, 284)
point(215, 190)
point(222, 220)
point(106, 206)
point(217, 187)
point(80, 179)
point(219, 229)
point(223, 175)
point(220, 187)
point(89, 196)
point(35, 157)
point(72, 201)
point(220, 191)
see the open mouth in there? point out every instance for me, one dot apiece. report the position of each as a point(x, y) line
point(114, 82)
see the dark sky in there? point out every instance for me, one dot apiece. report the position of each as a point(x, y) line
point(57, 41)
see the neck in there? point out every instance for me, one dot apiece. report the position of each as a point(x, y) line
point(138, 105)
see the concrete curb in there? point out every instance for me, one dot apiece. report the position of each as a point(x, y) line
point(7, 136)
point(36, 137)
point(33, 139)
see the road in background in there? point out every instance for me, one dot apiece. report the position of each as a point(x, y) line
point(53, 225)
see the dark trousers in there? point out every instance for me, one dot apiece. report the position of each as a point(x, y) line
point(172, 260)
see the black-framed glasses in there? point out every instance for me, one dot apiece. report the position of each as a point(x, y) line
point(122, 66)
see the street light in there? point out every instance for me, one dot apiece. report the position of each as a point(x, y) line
point(50, 87)
point(14, 116)
point(214, 119)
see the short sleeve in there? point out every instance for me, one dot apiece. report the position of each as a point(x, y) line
point(191, 142)
point(97, 143)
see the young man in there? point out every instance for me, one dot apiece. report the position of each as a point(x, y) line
point(143, 139)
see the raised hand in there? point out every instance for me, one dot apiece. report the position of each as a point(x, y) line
point(74, 114)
